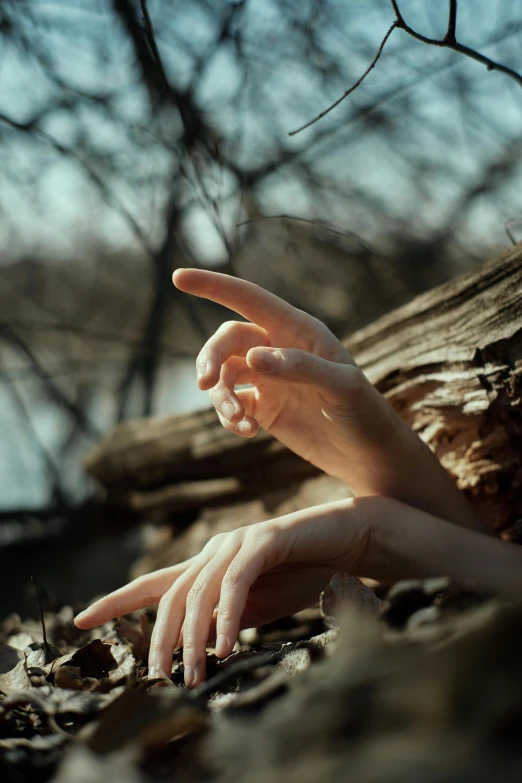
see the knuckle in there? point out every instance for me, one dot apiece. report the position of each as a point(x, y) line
point(270, 530)
point(232, 580)
point(259, 540)
point(335, 355)
point(196, 593)
point(237, 537)
point(318, 326)
point(225, 615)
point(227, 328)
point(251, 534)
point(301, 361)
point(219, 539)
point(333, 351)
point(189, 650)
point(217, 394)
point(166, 600)
point(214, 543)
point(356, 379)
point(312, 327)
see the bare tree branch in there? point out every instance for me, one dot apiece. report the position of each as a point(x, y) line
point(452, 43)
point(448, 42)
point(353, 87)
point(109, 196)
point(450, 36)
point(192, 141)
point(47, 457)
point(48, 382)
point(317, 223)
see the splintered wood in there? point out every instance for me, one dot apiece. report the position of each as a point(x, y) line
point(450, 362)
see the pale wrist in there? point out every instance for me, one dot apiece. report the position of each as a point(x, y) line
point(406, 469)
point(405, 543)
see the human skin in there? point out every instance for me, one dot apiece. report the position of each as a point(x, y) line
point(271, 569)
point(408, 517)
point(308, 392)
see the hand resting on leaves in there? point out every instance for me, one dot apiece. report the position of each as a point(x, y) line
point(305, 388)
point(268, 570)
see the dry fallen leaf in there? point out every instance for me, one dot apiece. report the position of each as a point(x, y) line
point(94, 660)
point(126, 663)
point(345, 589)
point(137, 637)
point(148, 719)
point(13, 676)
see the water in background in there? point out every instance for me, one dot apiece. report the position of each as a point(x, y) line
point(24, 481)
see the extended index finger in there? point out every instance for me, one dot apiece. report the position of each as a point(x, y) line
point(141, 592)
point(248, 299)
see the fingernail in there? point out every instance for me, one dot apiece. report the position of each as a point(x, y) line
point(227, 409)
point(244, 427)
point(221, 646)
point(189, 676)
point(154, 673)
point(201, 368)
point(81, 615)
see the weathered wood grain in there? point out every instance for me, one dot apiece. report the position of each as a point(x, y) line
point(450, 362)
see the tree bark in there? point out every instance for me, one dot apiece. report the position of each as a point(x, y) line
point(450, 362)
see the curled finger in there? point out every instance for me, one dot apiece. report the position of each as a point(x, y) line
point(201, 603)
point(233, 338)
point(169, 621)
point(230, 403)
point(239, 578)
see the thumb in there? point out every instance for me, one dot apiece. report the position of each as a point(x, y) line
point(291, 365)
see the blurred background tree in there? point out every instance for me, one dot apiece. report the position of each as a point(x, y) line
point(138, 136)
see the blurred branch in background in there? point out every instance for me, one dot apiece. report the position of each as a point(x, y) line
point(141, 136)
point(449, 41)
point(353, 87)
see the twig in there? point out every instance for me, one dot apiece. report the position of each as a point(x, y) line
point(353, 87)
point(47, 650)
point(109, 196)
point(46, 454)
point(320, 223)
point(231, 673)
point(52, 388)
point(450, 36)
point(449, 42)
point(149, 33)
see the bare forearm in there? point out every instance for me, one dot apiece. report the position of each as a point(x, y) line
point(404, 543)
point(307, 391)
point(406, 469)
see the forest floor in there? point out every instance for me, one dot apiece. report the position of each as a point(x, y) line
point(423, 685)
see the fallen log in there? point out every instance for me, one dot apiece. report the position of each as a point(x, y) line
point(450, 362)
